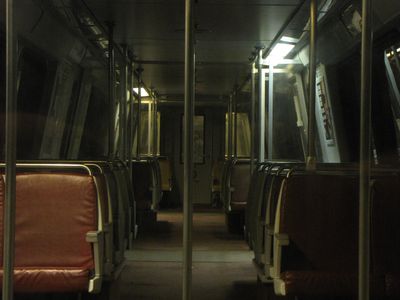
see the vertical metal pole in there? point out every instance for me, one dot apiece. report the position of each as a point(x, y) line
point(111, 91)
point(149, 125)
point(271, 111)
point(188, 150)
point(130, 122)
point(123, 101)
point(311, 158)
point(230, 126)
point(10, 159)
point(139, 116)
point(253, 118)
point(155, 132)
point(365, 153)
point(261, 108)
point(235, 141)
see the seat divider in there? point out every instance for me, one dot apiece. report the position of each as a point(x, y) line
point(96, 238)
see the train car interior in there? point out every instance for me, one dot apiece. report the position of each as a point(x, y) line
point(200, 149)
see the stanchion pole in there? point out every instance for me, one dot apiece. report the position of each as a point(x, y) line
point(188, 150)
point(10, 155)
point(365, 154)
point(311, 155)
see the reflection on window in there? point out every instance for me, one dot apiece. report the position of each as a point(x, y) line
point(392, 64)
point(242, 134)
point(146, 135)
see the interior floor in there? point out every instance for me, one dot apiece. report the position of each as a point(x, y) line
point(222, 262)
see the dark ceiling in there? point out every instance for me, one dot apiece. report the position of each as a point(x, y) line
point(227, 32)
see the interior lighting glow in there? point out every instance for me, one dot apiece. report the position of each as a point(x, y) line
point(288, 39)
point(398, 50)
point(146, 102)
point(143, 92)
point(279, 52)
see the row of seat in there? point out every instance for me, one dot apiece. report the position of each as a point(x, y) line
point(152, 177)
point(303, 229)
point(74, 221)
point(235, 184)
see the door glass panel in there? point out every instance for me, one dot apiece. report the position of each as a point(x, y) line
point(198, 139)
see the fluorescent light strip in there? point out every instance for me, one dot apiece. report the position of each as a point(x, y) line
point(143, 92)
point(288, 39)
point(279, 52)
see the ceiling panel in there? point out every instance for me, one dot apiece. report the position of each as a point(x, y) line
point(240, 23)
point(227, 32)
point(219, 79)
point(166, 79)
point(224, 51)
point(158, 50)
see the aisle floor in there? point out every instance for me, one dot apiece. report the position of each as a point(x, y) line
point(222, 267)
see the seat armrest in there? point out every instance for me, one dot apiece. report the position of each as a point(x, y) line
point(108, 249)
point(96, 238)
point(155, 197)
point(280, 240)
point(268, 251)
point(270, 230)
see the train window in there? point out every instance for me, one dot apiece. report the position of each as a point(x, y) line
point(77, 114)
point(34, 96)
point(392, 64)
point(198, 139)
point(287, 142)
point(146, 133)
point(351, 18)
point(57, 112)
point(242, 134)
point(301, 110)
point(94, 141)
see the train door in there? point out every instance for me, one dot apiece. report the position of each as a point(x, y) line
point(208, 148)
point(202, 164)
point(201, 159)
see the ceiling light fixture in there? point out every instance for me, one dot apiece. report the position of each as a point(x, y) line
point(143, 92)
point(279, 52)
point(288, 39)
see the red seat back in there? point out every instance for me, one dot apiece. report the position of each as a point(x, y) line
point(320, 215)
point(54, 212)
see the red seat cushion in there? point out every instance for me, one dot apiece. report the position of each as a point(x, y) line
point(385, 232)
point(54, 212)
point(319, 214)
point(54, 280)
point(326, 283)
